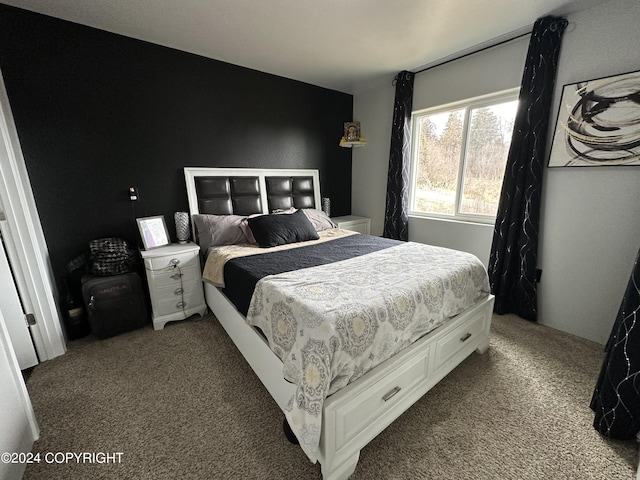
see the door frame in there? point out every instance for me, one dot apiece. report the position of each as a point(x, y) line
point(20, 429)
point(28, 253)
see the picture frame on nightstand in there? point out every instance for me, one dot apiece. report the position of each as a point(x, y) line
point(153, 231)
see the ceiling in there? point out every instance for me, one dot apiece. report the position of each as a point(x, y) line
point(342, 45)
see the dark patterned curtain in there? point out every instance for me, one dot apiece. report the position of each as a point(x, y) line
point(512, 262)
point(616, 398)
point(396, 220)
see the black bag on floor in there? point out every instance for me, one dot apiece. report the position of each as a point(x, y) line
point(115, 304)
point(111, 256)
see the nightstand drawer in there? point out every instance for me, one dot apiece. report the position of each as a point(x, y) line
point(173, 302)
point(183, 260)
point(171, 276)
point(354, 223)
point(177, 289)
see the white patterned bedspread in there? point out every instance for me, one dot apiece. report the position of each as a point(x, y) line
point(332, 323)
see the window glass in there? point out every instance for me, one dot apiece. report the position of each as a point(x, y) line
point(459, 156)
point(438, 158)
point(487, 149)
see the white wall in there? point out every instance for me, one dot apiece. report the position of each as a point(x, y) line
point(590, 224)
point(370, 163)
point(590, 230)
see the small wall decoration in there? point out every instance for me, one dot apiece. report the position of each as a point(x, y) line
point(352, 131)
point(598, 123)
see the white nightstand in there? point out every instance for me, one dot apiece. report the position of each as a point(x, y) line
point(175, 282)
point(354, 222)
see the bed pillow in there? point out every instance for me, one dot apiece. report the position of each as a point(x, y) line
point(273, 230)
point(213, 230)
point(244, 225)
point(319, 219)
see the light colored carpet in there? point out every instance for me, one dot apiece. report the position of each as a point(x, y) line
point(182, 403)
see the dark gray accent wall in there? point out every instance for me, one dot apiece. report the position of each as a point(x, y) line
point(98, 112)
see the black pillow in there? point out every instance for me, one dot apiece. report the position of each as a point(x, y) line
point(273, 230)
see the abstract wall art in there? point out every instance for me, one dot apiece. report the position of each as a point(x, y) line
point(598, 123)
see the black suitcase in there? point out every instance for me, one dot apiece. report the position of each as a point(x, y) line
point(115, 304)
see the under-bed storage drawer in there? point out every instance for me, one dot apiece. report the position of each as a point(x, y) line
point(458, 339)
point(365, 408)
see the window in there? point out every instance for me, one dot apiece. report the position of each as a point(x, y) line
point(459, 154)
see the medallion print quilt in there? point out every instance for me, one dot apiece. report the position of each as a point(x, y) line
point(332, 323)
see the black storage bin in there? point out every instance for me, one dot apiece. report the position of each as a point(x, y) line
point(115, 304)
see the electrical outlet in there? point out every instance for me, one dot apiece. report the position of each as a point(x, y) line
point(133, 194)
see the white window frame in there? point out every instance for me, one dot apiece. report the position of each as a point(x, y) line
point(470, 104)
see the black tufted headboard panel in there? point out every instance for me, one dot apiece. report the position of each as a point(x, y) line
point(238, 191)
point(287, 192)
point(227, 195)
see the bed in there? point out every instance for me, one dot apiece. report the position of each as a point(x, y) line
point(338, 389)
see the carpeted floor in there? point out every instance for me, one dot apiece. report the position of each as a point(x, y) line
point(182, 403)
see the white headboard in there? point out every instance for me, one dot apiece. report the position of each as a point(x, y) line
point(255, 185)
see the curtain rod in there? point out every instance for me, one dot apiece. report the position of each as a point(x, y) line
point(509, 37)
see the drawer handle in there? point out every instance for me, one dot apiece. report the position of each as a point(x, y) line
point(466, 337)
point(174, 262)
point(181, 304)
point(391, 394)
point(176, 276)
point(178, 291)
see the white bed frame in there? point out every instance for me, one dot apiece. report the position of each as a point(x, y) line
point(353, 416)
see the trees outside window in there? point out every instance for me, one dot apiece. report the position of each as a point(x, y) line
point(459, 156)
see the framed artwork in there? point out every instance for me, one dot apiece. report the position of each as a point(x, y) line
point(153, 232)
point(352, 131)
point(598, 123)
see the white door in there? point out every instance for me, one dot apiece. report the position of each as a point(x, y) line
point(25, 242)
point(11, 308)
point(18, 425)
